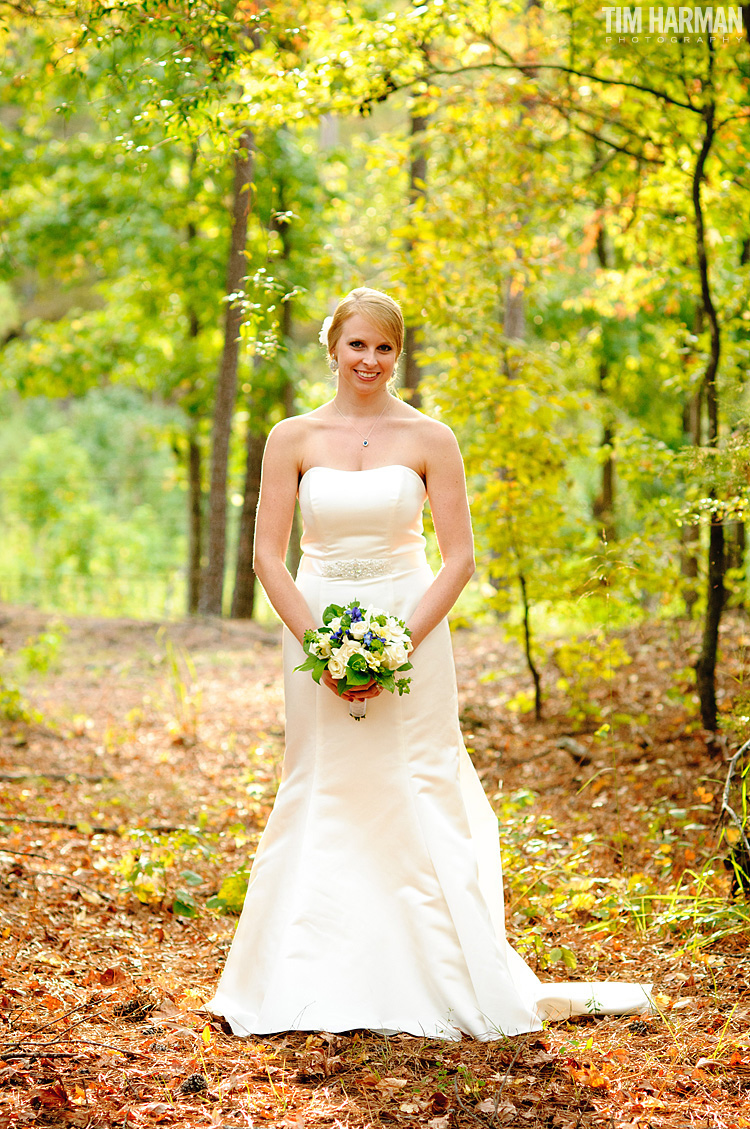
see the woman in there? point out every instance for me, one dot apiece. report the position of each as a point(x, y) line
point(375, 899)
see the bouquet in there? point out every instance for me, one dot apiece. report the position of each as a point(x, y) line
point(356, 645)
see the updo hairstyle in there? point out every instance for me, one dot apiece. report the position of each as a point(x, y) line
point(379, 308)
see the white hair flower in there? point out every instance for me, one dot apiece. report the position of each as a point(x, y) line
point(323, 335)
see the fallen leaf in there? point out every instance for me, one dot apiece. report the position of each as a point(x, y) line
point(50, 1097)
point(590, 1076)
point(111, 976)
point(157, 1111)
point(505, 1110)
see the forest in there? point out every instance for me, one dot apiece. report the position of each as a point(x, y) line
point(559, 198)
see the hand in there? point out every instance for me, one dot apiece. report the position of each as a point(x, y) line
point(355, 693)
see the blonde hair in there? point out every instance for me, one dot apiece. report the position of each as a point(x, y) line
point(379, 308)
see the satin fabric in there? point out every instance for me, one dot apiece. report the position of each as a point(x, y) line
point(376, 895)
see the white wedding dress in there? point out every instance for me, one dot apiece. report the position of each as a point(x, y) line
point(376, 896)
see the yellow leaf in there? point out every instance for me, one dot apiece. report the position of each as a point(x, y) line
point(206, 1034)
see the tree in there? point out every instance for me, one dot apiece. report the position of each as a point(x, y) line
point(226, 385)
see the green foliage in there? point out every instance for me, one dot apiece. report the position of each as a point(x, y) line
point(149, 871)
point(549, 268)
point(186, 697)
point(13, 705)
point(90, 504)
point(42, 652)
point(39, 654)
point(231, 896)
point(536, 945)
point(583, 663)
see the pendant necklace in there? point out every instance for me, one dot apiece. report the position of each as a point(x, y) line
point(365, 438)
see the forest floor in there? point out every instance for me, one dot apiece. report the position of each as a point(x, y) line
point(145, 778)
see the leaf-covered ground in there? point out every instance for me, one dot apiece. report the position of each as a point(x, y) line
point(145, 780)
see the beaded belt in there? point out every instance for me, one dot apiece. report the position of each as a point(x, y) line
point(356, 569)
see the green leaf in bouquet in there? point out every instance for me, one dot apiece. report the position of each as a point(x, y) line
point(315, 664)
point(308, 639)
point(331, 612)
point(358, 662)
point(357, 677)
point(405, 666)
point(404, 686)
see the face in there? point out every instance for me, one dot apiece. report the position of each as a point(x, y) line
point(366, 358)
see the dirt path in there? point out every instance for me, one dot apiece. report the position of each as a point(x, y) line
point(147, 780)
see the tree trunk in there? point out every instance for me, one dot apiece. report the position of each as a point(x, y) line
point(226, 385)
point(527, 649)
point(195, 499)
point(736, 549)
point(195, 469)
point(691, 425)
point(705, 668)
point(417, 191)
point(243, 599)
point(603, 507)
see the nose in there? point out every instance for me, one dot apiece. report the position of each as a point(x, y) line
point(371, 358)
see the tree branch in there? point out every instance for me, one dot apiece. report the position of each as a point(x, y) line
point(526, 68)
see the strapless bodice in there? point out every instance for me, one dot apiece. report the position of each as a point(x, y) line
point(361, 514)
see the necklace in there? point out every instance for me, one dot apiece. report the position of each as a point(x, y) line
point(365, 438)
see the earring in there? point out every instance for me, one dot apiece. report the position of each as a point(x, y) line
point(333, 364)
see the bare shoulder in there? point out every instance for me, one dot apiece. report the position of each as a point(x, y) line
point(439, 436)
point(289, 435)
point(435, 439)
point(290, 429)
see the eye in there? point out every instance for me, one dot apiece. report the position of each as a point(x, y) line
point(386, 348)
point(355, 344)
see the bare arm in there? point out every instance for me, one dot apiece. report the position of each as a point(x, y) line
point(446, 489)
point(273, 526)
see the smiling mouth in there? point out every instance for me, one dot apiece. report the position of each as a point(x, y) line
point(359, 372)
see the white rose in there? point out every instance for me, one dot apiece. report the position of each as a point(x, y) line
point(335, 624)
point(324, 649)
point(358, 629)
point(395, 655)
point(350, 647)
point(337, 665)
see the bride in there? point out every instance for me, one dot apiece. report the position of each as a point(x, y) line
point(376, 898)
